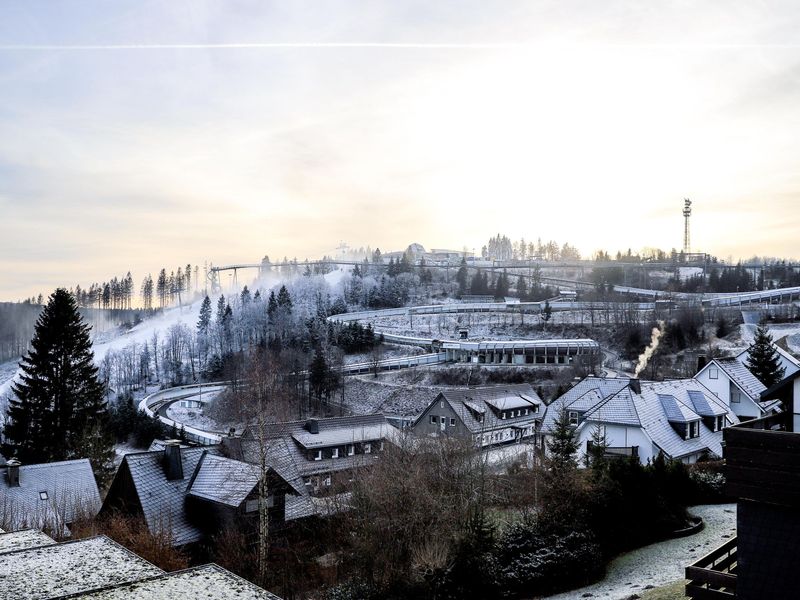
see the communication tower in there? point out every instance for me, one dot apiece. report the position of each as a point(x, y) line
point(687, 212)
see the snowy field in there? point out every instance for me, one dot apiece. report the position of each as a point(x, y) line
point(661, 563)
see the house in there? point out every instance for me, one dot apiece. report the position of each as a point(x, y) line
point(34, 567)
point(323, 454)
point(500, 414)
point(679, 419)
point(47, 496)
point(789, 363)
point(733, 383)
point(761, 472)
point(191, 492)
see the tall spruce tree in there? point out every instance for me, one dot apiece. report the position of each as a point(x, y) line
point(58, 410)
point(763, 359)
point(204, 322)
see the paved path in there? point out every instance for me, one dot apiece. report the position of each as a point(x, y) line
point(661, 563)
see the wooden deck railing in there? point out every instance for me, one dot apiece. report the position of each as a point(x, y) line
point(714, 575)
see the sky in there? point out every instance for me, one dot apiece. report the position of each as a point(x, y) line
point(140, 134)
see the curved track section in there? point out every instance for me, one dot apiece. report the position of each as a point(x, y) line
point(156, 404)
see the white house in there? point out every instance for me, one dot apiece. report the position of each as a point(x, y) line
point(681, 419)
point(789, 363)
point(735, 385)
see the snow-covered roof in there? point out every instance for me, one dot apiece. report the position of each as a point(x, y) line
point(162, 500)
point(50, 495)
point(487, 402)
point(790, 362)
point(703, 407)
point(224, 480)
point(24, 539)
point(617, 409)
point(741, 377)
point(62, 569)
point(677, 412)
point(584, 395)
point(209, 582)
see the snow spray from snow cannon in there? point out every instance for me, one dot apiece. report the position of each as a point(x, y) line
point(644, 358)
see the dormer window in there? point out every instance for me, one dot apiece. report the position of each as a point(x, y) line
point(720, 422)
point(335, 453)
point(351, 450)
point(318, 455)
point(367, 448)
point(503, 415)
point(693, 430)
point(526, 411)
point(573, 417)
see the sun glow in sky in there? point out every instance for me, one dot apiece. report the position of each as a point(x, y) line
point(136, 135)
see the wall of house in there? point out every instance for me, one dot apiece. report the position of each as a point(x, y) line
point(619, 436)
point(440, 408)
point(796, 407)
point(721, 387)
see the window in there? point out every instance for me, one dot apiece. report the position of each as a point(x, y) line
point(434, 420)
point(720, 422)
point(573, 417)
point(736, 395)
point(381, 447)
point(519, 412)
point(367, 448)
point(713, 373)
point(335, 453)
point(452, 422)
point(694, 429)
point(351, 450)
point(327, 481)
point(526, 411)
point(441, 404)
point(503, 415)
point(43, 496)
point(318, 455)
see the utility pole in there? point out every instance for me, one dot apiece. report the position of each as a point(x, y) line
point(687, 212)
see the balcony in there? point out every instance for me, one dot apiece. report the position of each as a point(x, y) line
point(762, 461)
point(714, 575)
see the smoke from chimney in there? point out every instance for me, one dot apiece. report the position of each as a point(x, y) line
point(645, 357)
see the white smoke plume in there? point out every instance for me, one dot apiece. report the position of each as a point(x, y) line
point(644, 358)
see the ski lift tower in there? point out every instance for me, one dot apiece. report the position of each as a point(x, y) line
point(687, 212)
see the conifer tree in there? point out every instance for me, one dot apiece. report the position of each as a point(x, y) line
point(461, 276)
point(522, 288)
point(58, 410)
point(204, 322)
point(763, 359)
point(563, 445)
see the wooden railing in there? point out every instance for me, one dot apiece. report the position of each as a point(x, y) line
point(762, 461)
point(714, 575)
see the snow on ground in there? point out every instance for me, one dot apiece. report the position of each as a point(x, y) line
point(387, 351)
point(661, 563)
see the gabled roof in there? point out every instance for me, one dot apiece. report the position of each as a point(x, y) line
point(50, 495)
point(703, 407)
point(741, 377)
point(486, 402)
point(162, 500)
point(209, 582)
point(601, 388)
point(224, 480)
point(61, 569)
point(676, 412)
point(618, 409)
point(657, 425)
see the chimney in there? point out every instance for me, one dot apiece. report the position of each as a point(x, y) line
point(312, 426)
point(173, 466)
point(702, 361)
point(12, 470)
point(636, 386)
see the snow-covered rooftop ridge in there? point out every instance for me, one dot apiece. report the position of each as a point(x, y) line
point(23, 540)
point(209, 582)
point(69, 568)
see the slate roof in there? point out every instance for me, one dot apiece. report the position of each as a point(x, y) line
point(486, 401)
point(603, 387)
point(617, 409)
point(224, 480)
point(651, 405)
point(741, 376)
point(49, 495)
point(656, 423)
point(161, 499)
point(209, 582)
point(61, 569)
point(24, 539)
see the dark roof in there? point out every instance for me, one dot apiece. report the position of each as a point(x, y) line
point(224, 480)
point(488, 402)
point(162, 500)
point(782, 386)
point(50, 495)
